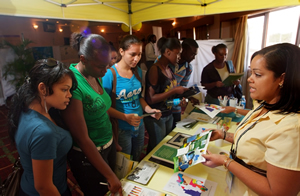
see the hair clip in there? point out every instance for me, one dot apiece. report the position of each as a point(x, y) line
point(27, 79)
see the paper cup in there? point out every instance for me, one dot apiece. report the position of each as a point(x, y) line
point(233, 102)
point(237, 114)
point(219, 142)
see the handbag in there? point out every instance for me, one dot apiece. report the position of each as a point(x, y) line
point(114, 121)
point(11, 185)
point(238, 92)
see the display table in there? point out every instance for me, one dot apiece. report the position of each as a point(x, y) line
point(163, 174)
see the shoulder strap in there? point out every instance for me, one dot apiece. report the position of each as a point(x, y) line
point(113, 91)
point(230, 66)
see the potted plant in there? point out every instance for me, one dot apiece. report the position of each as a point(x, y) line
point(20, 66)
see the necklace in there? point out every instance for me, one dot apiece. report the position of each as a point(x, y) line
point(94, 87)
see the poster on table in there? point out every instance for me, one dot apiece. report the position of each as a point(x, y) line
point(183, 184)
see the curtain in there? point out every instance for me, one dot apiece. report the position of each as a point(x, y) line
point(240, 56)
point(240, 39)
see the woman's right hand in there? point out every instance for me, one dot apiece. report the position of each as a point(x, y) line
point(114, 185)
point(180, 89)
point(213, 160)
point(219, 84)
point(133, 119)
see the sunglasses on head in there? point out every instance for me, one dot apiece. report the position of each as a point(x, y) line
point(50, 62)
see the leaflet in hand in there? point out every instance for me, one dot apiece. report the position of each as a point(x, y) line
point(193, 90)
point(191, 151)
point(231, 78)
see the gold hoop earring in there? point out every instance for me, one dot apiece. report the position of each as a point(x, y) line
point(280, 85)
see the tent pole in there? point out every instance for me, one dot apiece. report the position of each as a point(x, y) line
point(129, 15)
point(130, 24)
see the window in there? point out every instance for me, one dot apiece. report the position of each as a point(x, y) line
point(255, 32)
point(283, 25)
point(272, 28)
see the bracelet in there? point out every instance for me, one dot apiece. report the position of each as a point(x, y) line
point(224, 134)
point(229, 163)
point(225, 161)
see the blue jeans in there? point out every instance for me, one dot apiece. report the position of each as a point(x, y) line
point(176, 118)
point(157, 129)
point(132, 142)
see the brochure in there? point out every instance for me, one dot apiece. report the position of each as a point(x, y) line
point(143, 172)
point(210, 109)
point(191, 151)
point(231, 78)
point(183, 184)
point(123, 165)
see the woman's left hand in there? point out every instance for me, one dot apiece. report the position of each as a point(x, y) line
point(227, 109)
point(213, 160)
point(156, 115)
point(237, 82)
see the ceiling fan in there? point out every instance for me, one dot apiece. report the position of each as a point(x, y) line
point(61, 4)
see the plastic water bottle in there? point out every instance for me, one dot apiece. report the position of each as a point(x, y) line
point(243, 101)
point(137, 127)
point(173, 102)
